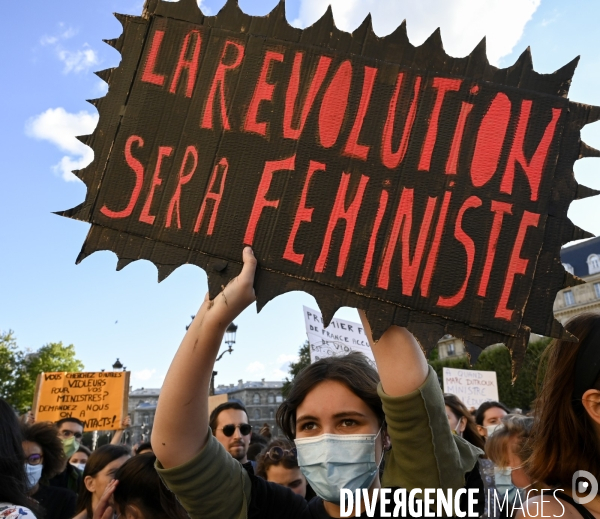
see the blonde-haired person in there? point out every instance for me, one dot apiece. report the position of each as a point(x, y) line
point(566, 429)
point(509, 448)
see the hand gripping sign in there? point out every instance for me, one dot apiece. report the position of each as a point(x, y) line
point(430, 191)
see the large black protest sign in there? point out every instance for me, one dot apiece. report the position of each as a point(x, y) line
point(431, 191)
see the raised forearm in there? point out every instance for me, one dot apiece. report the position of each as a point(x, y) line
point(181, 421)
point(400, 361)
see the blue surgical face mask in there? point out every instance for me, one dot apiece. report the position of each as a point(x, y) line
point(502, 477)
point(34, 473)
point(331, 462)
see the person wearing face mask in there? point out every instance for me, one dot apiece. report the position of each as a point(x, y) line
point(79, 459)
point(461, 421)
point(489, 416)
point(44, 458)
point(14, 501)
point(342, 414)
point(509, 449)
point(70, 433)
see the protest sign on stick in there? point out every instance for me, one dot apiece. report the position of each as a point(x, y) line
point(338, 338)
point(98, 399)
point(431, 191)
point(473, 387)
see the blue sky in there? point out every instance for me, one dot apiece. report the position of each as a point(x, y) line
point(49, 51)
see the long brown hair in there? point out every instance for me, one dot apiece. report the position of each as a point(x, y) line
point(460, 411)
point(353, 370)
point(95, 463)
point(516, 427)
point(563, 437)
point(141, 486)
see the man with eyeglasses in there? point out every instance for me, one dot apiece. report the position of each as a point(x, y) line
point(70, 432)
point(229, 425)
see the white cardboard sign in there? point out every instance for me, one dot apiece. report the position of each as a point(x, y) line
point(339, 338)
point(471, 386)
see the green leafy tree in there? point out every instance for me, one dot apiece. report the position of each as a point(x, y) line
point(53, 356)
point(297, 367)
point(10, 359)
point(522, 393)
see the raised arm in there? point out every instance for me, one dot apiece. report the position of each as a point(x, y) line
point(400, 361)
point(181, 420)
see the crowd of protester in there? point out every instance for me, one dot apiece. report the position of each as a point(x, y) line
point(345, 425)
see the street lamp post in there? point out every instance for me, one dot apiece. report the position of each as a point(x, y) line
point(230, 334)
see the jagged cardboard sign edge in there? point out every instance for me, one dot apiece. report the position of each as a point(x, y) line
point(428, 328)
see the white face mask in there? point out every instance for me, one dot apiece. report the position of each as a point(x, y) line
point(331, 462)
point(34, 473)
point(491, 428)
point(80, 466)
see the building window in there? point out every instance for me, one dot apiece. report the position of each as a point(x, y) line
point(257, 414)
point(270, 398)
point(597, 290)
point(256, 398)
point(568, 268)
point(569, 299)
point(271, 414)
point(450, 348)
point(593, 262)
point(279, 398)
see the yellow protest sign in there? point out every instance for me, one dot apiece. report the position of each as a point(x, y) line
point(99, 399)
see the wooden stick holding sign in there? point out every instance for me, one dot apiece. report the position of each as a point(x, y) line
point(428, 190)
point(98, 399)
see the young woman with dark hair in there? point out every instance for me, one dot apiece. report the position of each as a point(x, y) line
point(80, 458)
point(341, 414)
point(99, 471)
point(138, 493)
point(14, 501)
point(489, 416)
point(461, 421)
point(566, 429)
point(44, 458)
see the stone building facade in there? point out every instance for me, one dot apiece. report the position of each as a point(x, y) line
point(260, 398)
point(141, 408)
point(582, 260)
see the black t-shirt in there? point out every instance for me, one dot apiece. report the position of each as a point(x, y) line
point(272, 501)
point(56, 502)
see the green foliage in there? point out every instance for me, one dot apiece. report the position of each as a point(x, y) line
point(19, 369)
point(297, 367)
point(497, 358)
point(10, 358)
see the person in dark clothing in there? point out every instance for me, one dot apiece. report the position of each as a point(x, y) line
point(229, 424)
point(14, 481)
point(44, 458)
point(70, 433)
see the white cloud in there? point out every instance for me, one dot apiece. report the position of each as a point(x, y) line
point(463, 22)
point(60, 127)
point(287, 358)
point(255, 367)
point(74, 60)
point(78, 61)
point(144, 374)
